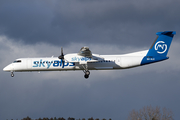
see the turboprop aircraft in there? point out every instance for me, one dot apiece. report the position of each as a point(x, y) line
point(85, 60)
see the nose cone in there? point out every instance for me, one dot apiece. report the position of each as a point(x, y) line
point(7, 68)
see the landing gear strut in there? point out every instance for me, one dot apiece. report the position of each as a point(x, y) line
point(12, 74)
point(86, 71)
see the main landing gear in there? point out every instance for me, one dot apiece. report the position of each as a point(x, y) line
point(12, 74)
point(87, 73)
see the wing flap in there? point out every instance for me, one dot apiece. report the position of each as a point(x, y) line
point(82, 62)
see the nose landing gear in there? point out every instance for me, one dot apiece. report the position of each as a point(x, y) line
point(12, 74)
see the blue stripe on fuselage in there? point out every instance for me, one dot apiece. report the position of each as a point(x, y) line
point(151, 59)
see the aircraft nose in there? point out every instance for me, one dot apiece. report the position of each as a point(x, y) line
point(7, 68)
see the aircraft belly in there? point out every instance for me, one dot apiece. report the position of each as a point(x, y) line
point(59, 68)
point(101, 66)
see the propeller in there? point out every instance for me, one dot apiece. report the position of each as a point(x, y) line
point(62, 55)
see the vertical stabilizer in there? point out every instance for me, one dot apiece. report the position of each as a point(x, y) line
point(161, 45)
point(159, 48)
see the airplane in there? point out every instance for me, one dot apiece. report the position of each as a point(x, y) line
point(85, 60)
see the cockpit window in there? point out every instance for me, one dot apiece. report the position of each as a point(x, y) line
point(17, 61)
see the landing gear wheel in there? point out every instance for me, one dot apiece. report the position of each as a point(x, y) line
point(86, 76)
point(12, 74)
point(87, 73)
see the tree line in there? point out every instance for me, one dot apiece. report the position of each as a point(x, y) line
point(146, 113)
point(151, 113)
point(28, 118)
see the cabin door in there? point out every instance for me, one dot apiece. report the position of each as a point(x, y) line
point(118, 60)
point(29, 63)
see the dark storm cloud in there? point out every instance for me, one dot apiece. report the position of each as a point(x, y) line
point(109, 22)
point(27, 21)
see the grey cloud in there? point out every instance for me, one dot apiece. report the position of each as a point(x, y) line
point(61, 22)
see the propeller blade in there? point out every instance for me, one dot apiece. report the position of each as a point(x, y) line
point(62, 55)
point(62, 51)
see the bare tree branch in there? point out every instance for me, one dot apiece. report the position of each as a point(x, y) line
point(150, 113)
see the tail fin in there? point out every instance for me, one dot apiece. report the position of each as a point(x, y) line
point(161, 45)
point(159, 48)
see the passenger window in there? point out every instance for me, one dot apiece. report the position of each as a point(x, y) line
point(17, 61)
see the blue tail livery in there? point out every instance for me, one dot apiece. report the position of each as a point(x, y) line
point(159, 48)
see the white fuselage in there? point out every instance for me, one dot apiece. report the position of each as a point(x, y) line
point(76, 62)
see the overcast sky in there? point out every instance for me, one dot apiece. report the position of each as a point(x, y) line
point(38, 28)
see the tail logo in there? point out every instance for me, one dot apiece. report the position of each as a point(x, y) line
point(160, 47)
